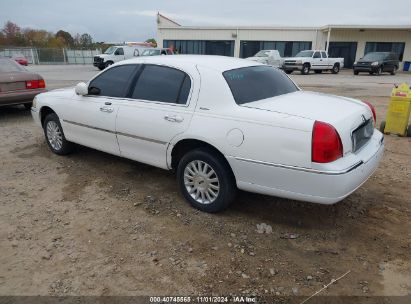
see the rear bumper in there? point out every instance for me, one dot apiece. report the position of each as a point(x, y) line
point(366, 68)
point(19, 97)
point(317, 186)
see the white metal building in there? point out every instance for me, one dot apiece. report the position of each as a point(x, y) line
point(348, 41)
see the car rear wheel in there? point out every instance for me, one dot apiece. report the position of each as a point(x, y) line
point(55, 136)
point(306, 69)
point(335, 69)
point(205, 180)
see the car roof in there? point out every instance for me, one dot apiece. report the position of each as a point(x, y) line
point(218, 63)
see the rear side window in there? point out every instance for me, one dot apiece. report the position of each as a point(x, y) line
point(323, 54)
point(163, 84)
point(113, 82)
point(259, 82)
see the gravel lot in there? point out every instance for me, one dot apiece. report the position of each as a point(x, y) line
point(95, 224)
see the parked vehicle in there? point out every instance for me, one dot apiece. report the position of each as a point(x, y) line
point(377, 63)
point(221, 123)
point(20, 59)
point(118, 53)
point(17, 85)
point(269, 57)
point(157, 51)
point(315, 60)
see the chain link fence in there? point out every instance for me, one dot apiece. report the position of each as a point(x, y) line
point(52, 55)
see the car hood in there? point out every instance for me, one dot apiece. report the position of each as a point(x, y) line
point(295, 58)
point(60, 93)
point(258, 59)
point(103, 55)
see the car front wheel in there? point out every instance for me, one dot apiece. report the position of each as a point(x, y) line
point(206, 181)
point(55, 136)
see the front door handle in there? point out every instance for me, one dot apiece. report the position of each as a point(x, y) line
point(106, 109)
point(174, 118)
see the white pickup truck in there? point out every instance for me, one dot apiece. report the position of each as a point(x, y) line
point(316, 60)
point(269, 57)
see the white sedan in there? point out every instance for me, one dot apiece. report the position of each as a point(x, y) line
point(222, 124)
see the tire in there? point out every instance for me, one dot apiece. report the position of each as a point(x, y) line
point(101, 67)
point(356, 72)
point(306, 69)
point(209, 194)
point(382, 126)
point(28, 105)
point(335, 69)
point(318, 71)
point(409, 131)
point(55, 136)
point(288, 71)
point(394, 71)
point(371, 73)
point(108, 63)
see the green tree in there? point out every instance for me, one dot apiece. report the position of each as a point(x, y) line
point(152, 41)
point(85, 40)
point(66, 37)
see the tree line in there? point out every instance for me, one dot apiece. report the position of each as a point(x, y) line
point(13, 35)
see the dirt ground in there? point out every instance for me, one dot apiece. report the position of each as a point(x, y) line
point(95, 224)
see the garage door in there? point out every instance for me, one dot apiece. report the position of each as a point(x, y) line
point(347, 50)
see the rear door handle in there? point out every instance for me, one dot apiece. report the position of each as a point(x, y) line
point(174, 118)
point(106, 109)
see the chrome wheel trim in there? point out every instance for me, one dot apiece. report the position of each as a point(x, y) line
point(201, 182)
point(54, 135)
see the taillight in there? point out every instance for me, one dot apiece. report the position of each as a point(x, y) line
point(326, 143)
point(372, 110)
point(35, 84)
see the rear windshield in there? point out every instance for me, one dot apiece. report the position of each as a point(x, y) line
point(258, 82)
point(7, 65)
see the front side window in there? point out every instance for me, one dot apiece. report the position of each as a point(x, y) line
point(113, 82)
point(119, 51)
point(162, 84)
point(317, 55)
point(258, 82)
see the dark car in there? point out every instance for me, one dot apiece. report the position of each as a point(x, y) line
point(377, 63)
point(17, 85)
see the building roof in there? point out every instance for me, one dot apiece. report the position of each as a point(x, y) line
point(172, 24)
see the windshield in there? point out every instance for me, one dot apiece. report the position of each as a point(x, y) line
point(258, 82)
point(262, 54)
point(305, 54)
point(374, 56)
point(7, 65)
point(110, 50)
point(151, 52)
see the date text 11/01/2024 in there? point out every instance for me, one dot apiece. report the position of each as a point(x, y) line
point(203, 299)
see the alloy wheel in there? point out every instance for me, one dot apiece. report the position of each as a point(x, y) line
point(54, 135)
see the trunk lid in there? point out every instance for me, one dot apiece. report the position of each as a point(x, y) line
point(344, 114)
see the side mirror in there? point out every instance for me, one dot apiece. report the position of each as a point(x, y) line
point(81, 89)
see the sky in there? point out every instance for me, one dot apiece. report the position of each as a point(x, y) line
point(134, 20)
